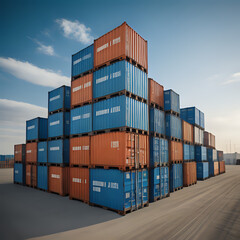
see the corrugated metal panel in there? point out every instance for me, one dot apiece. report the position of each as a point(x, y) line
point(193, 115)
point(42, 176)
point(120, 111)
point(81, 119)
point(171, 101)
point(192, 152)
point(213, 169)
point(81, 90)
point(220, 156)
point(173, 126)
point(156, 94)
point(19, 173)
point(120, 42)
point(186, 152)
point(42, 152)
point(59, 98)
point(189, 173)
point(20, 153)
point(187, 131)
point(120, 76)
point(117, 189)
point(82, 61)
point(198, 135)
point(201, 119)
point(176, 176)
point(79, 184)
point(200, 153)
point(175, 151)
point(59, 124)
point(80, 149)
point(31, 152)
point(157, 121)
point(202, 170)
point(58, 151)
point(36, 128)
point(211, 154)
point(31, 175)
point(222, 167)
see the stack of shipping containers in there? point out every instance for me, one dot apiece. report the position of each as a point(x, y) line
point(19, 174)
point(6, 161)
point(221, 163)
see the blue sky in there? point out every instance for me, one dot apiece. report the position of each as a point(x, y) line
point(193, 48)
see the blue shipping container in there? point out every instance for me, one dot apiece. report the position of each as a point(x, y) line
point(200, 153)
point(173, 126)
point(211, 169)
point(2, 157)
point(159, 183)
point(201, 119)
point(9, 157)
point(116, 189)
point(193, 116)
point(19, 173)
point(36, 128)
point(58, 124)
point(157, 121)
point(211, 154)
point(42, 177)
point(176, 176)
point(58, 151)
point(59, 98)
point(120, 76)
point(171, 101)
point(186, 152)
point(81, 119)
point(42, 152)
point(202, 170)
point(82, 61)
point(192, 152)
point(118, 112)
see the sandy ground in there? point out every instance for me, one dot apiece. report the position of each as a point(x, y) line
point(207, 210)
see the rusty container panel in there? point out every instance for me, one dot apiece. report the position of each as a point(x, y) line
point(58, 180)
point(222, 167)
point(119, 149)
point(156, 93)
point(187, 131)
point(20, 153)
point(122, 42)
point(79, 184)
point(175, 151)
point(31, 152)
point(31, 175)
point(189, 173)
point(216, 168)
point(81, 90)
point(80, 151)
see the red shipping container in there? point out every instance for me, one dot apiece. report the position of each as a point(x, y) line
point(58, 180)
point(189, 173)
point(19, 152)
point(81, 90)
point(80, 151)
point(156, 93)
point(31, 152)
point(222, 167)
point(187, 131)
point(119, 149)
point(175, 152)
point(79, 184)
point(31, 175)
point(122, 42)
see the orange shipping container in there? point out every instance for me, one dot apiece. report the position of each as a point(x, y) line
point(187, 130)
point(119, 149)
point(80, 151)
point(58, 180)
point(123, 42)
point(175, 152)
point(81, 90)
point(156, 93)
point(19, 152)
point(189, 173)
point(222, 167)
point(31, 152)
point(216, 168)
point(79, 184)
point(31, 175)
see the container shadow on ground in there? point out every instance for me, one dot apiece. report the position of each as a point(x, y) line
point(27, 213)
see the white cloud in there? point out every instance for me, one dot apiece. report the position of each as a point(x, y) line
point(48, 50)
point(76, 30)
point(33, 74)
point(13, 116)
point(233, 79)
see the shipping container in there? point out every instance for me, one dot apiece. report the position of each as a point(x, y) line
point(9, 157)
point(201, 120)
point(81, 120)
point(120, 149)
point(118, 190)
point(118, 112)
point(31, 152)
point(31, 175)
point(58, 151)
point(159, 183)
point(212, 140)
point(20, 153)
point(157, 121)
point(42, 177)
point(222, 167)
point(209, 139)
point(2, 158)
point(213, 169)
point(120, 43)
point(202, 170)
point(211, 154)
point(187, 132)
point(189, 173)
point(176, 176)
point(59, 124)
point(186, 152)
point(58, 180)
point(42, 152)
point(79, 184)
point(59, 99)
point(82, 61)
point(200, 153)
point(37, 129)
point(81, 90)
point(173, 126)
point(175, 151)
point(220, 156)
point(192, 152)
point(158, 151)
point(171, 101)
point(120, 76)
point(156, 93)
point(190, 115)
point(198, 136)
point(19, 173)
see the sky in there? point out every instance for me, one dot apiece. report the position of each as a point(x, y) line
point(193, 48)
